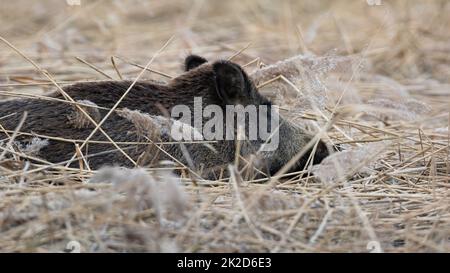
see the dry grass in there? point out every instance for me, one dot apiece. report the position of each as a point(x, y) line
point(377, 76)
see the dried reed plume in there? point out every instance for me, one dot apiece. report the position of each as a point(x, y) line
point(376, 76)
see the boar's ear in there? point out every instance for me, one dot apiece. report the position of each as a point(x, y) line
point(231, 82)
point(192, 61)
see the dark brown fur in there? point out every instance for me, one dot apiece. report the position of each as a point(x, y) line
point(219, 83)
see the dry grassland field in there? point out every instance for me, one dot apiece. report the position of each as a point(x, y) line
point(369, 78)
